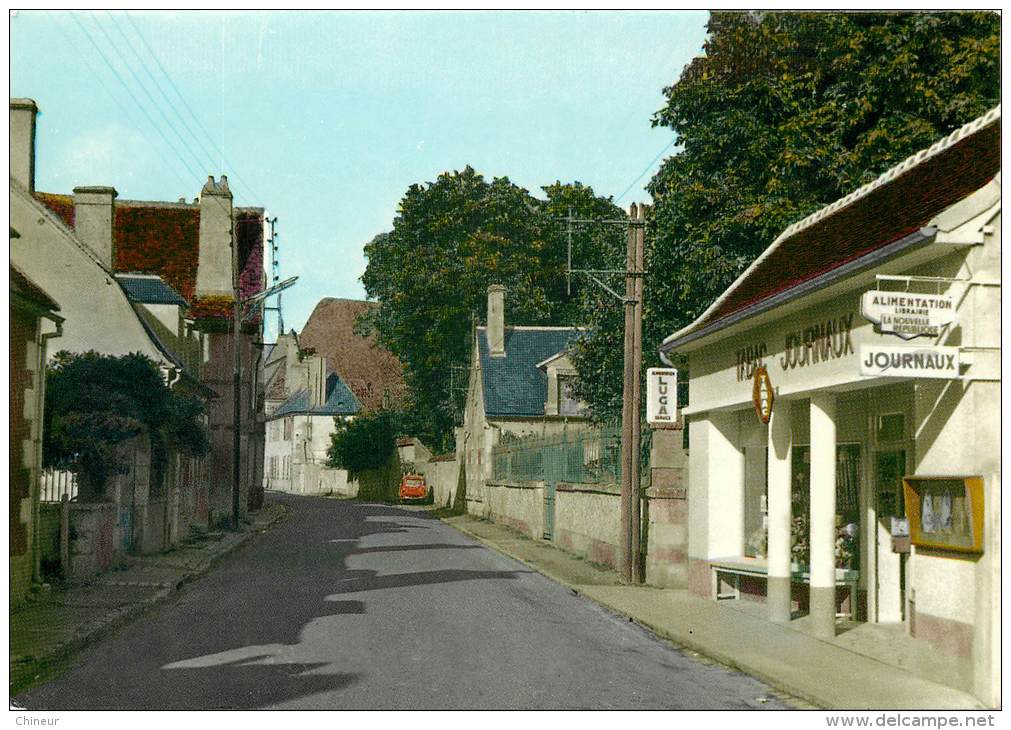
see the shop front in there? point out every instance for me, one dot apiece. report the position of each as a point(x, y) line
point(844, 414)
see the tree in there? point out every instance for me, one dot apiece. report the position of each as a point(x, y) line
point(783, 114)
point(450, 240)
point(365, 446)
point(94, 402)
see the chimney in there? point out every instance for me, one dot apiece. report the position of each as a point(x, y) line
point(316, 380)
point(214, 266)
point(294, 373)
point(496, 320)
point(94, 212)
point(23, 112)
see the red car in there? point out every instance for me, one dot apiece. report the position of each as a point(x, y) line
point(414, 489)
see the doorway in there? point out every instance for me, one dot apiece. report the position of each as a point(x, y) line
point(889, 469)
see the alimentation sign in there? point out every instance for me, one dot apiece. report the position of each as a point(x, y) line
point(906, 314)
point(899, 361)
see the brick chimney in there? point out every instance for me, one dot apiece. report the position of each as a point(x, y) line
point(214, 267)
point(316, 380)
point(23, 112)
point(94, 214)
point(496, 320)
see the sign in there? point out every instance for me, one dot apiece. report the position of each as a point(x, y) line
point(945, 513)
point(762, 395)
point(900, 361)
point(661, 396)
point(908, 315)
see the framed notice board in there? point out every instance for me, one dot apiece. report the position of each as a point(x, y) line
point(945, 513)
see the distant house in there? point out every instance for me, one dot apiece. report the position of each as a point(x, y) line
point(520, 384)
point(33, 322)
point(153, 277)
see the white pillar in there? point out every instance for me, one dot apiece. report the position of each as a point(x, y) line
point(779, 504)
point(823, 528)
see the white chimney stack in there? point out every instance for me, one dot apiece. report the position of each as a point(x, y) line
point(316, 380)
point(214, 267)
point(22, 139)
point(94, 214)
point(496, 320)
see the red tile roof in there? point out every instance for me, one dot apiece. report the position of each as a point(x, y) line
point(900, 202)
point(164, 239)
point(366, 368)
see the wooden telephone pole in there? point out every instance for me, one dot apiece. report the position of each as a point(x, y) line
point(631, 437)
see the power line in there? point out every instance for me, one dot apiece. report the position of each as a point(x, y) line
point(161, 91)
point(122, 107)
point(188, 108)
point(147, 93)
point(648, 168)
point(115, 73)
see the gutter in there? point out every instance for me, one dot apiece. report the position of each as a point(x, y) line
point(40, 404)
point(912, 240)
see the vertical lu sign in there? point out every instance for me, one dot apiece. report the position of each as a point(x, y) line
point(661, 396)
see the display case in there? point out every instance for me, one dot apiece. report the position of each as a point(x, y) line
point(945, 513)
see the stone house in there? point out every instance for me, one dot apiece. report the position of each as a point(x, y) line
point(114, 250)
point(30, 306)
point(519, 386)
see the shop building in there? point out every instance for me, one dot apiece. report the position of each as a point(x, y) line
point(844, 414)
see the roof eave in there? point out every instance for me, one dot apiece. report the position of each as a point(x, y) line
point(689, 335)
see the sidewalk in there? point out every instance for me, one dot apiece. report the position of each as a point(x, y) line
point(52, 626)
point(825, 674)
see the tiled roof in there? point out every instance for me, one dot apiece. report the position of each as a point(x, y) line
point(899, 203)
point(368, 369)
point(149, 289)
point(164, 239)
point(340, 401)
point(21, 284)
point(513, 385)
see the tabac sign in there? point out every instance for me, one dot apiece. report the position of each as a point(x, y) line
point(908, 315)
point(762, 395)
point(661, 396)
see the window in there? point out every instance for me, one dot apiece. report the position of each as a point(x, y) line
point(568, 404)
point(288, 427)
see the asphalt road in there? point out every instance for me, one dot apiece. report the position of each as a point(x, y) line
point(357, 606)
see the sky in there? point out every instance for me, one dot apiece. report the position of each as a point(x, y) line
point(326, 118)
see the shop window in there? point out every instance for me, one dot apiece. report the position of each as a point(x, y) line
point(847, 484)
point(756, 494)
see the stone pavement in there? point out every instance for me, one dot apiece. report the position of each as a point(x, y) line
point(829, 675)
point(55, 624)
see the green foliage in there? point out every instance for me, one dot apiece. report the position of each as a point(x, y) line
point(450, 240)
point(785, 113)
point(364, 443)
point(94, 402)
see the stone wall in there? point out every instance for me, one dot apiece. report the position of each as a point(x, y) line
point(519, 506)
point(588, 521)
point(443, 477)
point(92, 545)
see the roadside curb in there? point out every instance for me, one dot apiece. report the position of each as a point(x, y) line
point(678, 640)
point(116, 619)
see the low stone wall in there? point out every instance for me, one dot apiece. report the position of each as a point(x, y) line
point(666, 538)
point(517, 505)
point(317, 479)
point(588, 521)
point(92, 548)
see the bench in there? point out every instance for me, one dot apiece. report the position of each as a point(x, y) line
point(727, 573)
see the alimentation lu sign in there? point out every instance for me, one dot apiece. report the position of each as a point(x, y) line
point(908, 315)
point(661, 396)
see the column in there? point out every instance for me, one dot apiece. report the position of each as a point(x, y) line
point(779, 515)
point(823, 529)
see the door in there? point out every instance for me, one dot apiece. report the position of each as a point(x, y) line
point(889, 468)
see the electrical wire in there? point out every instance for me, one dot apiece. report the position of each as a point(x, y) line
point(648, 168)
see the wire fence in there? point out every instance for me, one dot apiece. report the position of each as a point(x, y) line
point(575, 457)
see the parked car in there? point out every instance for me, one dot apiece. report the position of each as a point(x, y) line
point(413, 488)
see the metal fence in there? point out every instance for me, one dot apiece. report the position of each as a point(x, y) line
point(54, 483)
point(575, 457)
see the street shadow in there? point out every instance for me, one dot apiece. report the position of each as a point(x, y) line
point(404, 580)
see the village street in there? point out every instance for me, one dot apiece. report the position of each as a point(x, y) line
point(346, 605)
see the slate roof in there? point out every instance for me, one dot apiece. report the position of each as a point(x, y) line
point(892, 209)
point(162, 238)
point(368, 369)
point(340, 401)
point(513, 385)
point(149, 289)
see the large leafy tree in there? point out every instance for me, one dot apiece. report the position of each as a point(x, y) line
point(782, 114)
point(451, 239)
